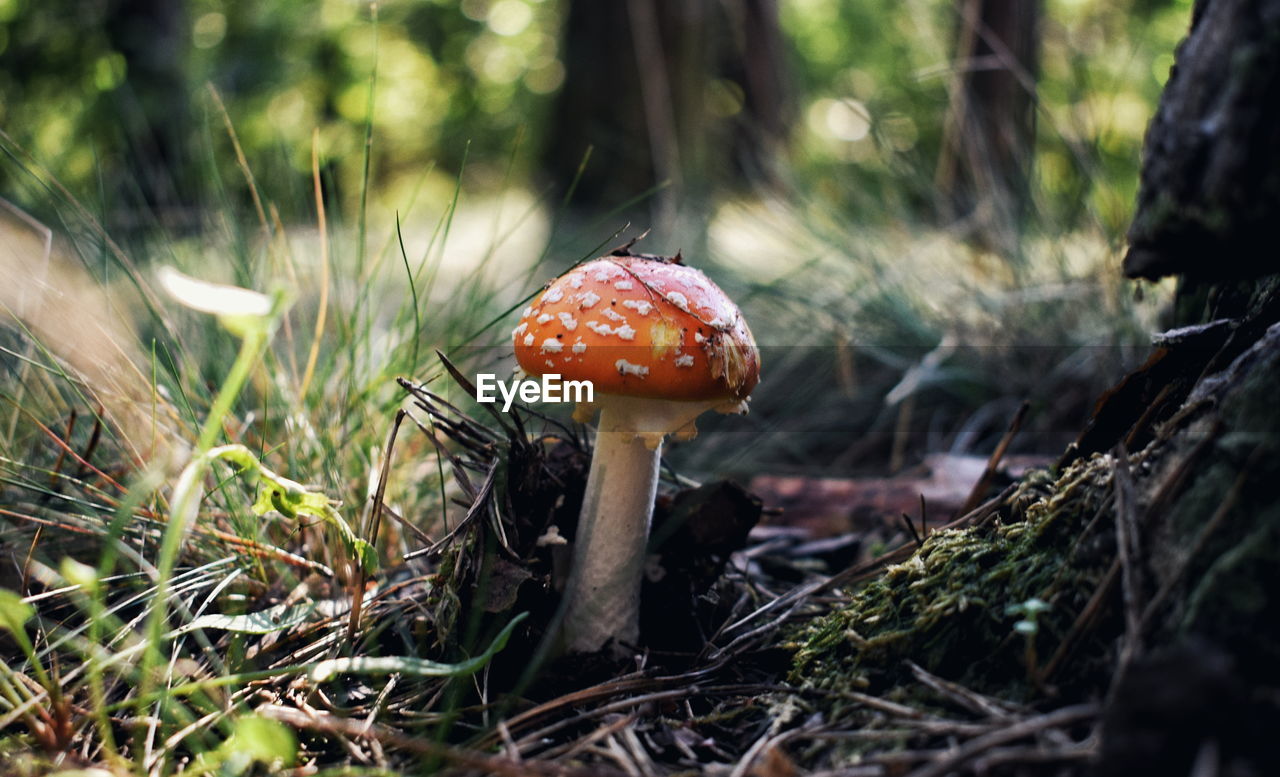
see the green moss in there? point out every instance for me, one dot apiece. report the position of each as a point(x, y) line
point(945, 607)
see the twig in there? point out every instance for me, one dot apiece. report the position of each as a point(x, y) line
point(960, 695)
point(355, 729)
point(1127, 553)
point(950, 761)
point(911, 528)
point(477, 507)
point(1033, 754)
point(1144, 420)
point(1083, 621)
point(993, 463)
point(371, 531)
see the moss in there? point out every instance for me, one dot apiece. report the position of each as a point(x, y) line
point(946, 607)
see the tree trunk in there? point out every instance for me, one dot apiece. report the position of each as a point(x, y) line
point(1210, 189)
point(153, 113)
point(990, 132)
point(677, 94)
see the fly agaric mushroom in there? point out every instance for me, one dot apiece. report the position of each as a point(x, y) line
point(661, 344)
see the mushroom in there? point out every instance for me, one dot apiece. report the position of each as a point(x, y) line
point(661, 344)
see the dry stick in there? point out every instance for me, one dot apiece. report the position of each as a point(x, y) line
point(911, 528)
point(95, 437)
point(766, 743)
point(354, 729)
point(952, 760)
point(1083, 621)
point(596, 692)
point(1144, 420)
point(265, 551)
point(1033, 754)
point(79, 459)
point(62, 454)
point(26, 563)
point(924, 520)
point(541, 735)
point(477, 506)
point(1127, 553)
point(375, 521)
point(867, 700)
point(960, 695)
point(607, 730)
point(993, 463)
point(406, 524)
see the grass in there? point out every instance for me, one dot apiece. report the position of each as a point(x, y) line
point(152, 599)
point(209, 516)
point(175, 614)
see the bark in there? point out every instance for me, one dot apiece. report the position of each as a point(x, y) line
point(1210, 188)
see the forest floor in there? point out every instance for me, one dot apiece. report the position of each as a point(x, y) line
point(983, 573)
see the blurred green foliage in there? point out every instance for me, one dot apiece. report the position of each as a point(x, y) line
point(474, 80)
point(874, 79)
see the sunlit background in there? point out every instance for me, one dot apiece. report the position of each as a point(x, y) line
point(798, 152)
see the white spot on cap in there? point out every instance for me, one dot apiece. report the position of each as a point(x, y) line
point(528, 339)
point(624, 285)
point(604, 330)
point(553, 294)
point(588, 299)
point(627, 368)
point(613, 315)
point(638, 305)
point(552, 345)
point(520, 329)
point(570, 323)
point(684, 361)
point(626, 332)
point(544, 318)
point(605, 272)
point(575, 280)
point(679, 300)
point(550, 363)
point(698, 337)
point(528, 311)
point(720, 322)
point(579, 346)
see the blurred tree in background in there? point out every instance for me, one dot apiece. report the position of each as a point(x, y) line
point(681, 94)
point(989, 139)
point(843, 102)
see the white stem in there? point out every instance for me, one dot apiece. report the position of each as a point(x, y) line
point(603, 593)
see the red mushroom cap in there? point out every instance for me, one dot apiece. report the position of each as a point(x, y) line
point(640, 326)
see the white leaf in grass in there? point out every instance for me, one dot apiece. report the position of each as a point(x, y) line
point(217, 298)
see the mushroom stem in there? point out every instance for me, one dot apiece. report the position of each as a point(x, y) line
point(603, 592)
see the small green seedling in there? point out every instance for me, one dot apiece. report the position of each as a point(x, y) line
point(1028, 625)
